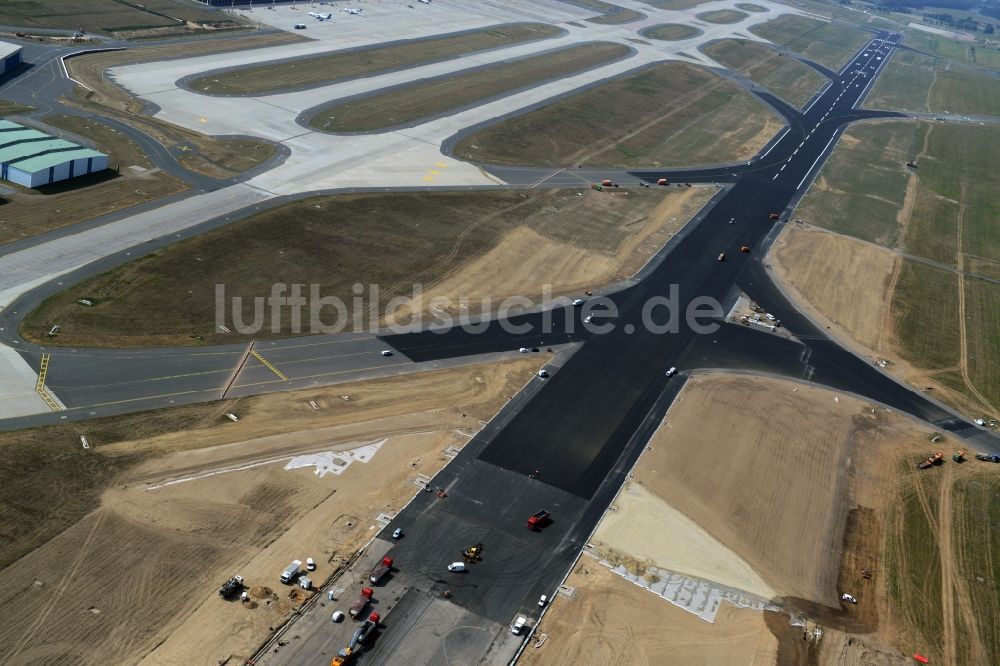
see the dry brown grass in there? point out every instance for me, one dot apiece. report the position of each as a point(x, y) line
point(666, 115)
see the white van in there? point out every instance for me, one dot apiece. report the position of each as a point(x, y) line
point(456, 567)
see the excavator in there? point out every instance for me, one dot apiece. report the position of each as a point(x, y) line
point(933, 460)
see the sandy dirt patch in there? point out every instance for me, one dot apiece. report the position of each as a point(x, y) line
point(137, 578)
point(845, 281)
point(678, 543)
point(609, 620)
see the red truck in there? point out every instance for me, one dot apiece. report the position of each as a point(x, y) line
point(774, 216)
point(539, 520)
point(381, 569)
point(360, 603)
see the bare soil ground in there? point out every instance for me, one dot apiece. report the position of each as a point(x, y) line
point(136, 577)
point(30, 212)
point(393, 241)
point(786, 77)
point(842, 279)
point(609, 620)
point(324, 69)
point(217, 157)
point(666, 115)
point(428, 98)
point(806, 486)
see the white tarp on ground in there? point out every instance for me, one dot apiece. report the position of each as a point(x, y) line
point(330, 462)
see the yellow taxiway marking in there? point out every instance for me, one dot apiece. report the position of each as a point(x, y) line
point(270, 366)
point(43, 371)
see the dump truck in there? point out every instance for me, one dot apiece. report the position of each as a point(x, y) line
point(773, 216)
point(607, 182)
point(662, 181)
point(348, 653)
point(232, 586)
point(988, 457)
point(360, 603)
point(539, 520)
point(932, 460)
point(381, 569)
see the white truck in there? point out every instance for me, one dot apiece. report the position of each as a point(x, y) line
point(290, 572)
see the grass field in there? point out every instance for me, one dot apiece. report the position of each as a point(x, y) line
point(32, 212)
point(9, 108)
point(338, 66)
point(827, 43)
point(978, 523)
point(916, 82)
point(610, 14)
point(430, 97)
point(943, 211)
point(862, 187)
point(953, 49)
point(675, 4)
point(392, 241)
point(925, 307)
point(671, 32)
point(207, 155)
point(723, 16)
point(109, 16)
point(668, 114)
point(913, 575)
point(786, 77)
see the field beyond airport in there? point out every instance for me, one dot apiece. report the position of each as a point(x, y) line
point(829, 44)
point(485, 244)
point(671, 114)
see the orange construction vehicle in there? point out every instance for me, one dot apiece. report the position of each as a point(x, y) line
point(933, 460)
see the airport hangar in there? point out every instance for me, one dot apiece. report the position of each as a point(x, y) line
point(32, 159)
point(10, 57)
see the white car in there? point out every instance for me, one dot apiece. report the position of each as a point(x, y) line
point(310, 564)
point(671, 372)
point(543, 374)
point(337, 616)
point(524, 350)
point(848, 598)
point(386, 352)
point(542, 600)
point(588, 319)
point(398, 532)
point(577, 302)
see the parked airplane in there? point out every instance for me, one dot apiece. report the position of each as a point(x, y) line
point(352, 10)
point(321, 17)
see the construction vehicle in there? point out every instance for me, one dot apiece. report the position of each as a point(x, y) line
point(774, 216)
point(347, 653)
point(988, 457)
point(607, 182)
point(360, 603)
point(933, 460)
point(381, 569)
point(543, 517)
point(745, 249)
point(958, 456)
point(290, 572)
point(473, 553)
point(597, 187)
point(231, 587)
point(662, 181)
point(722, 256)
